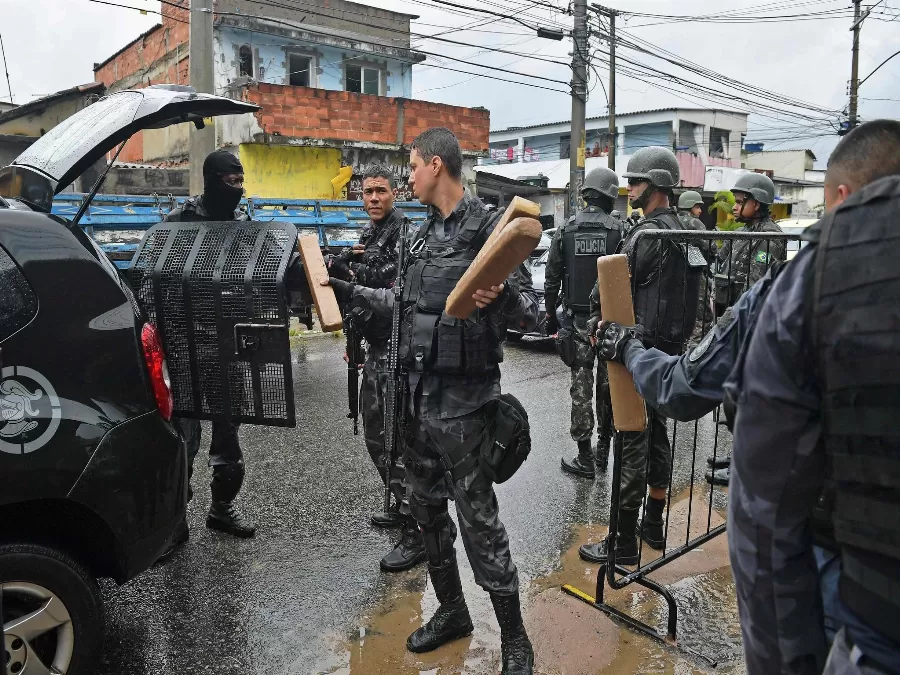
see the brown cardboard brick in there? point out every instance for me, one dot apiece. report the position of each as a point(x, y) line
point(323, 296)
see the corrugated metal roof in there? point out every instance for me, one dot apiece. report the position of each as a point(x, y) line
point(628, 114)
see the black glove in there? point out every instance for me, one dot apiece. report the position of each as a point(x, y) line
point(338, 268)
point(552, 323)
point(612, 338)
point(342, 289)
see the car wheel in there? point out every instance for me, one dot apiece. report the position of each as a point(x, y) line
point(52, 612)
point(514, 337)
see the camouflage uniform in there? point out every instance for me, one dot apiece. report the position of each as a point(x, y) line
point(706, 307)
point(741, 263)
point(449, 417)
point(377, 268)
point(583, 390)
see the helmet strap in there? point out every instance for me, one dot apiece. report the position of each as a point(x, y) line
point(641, 202)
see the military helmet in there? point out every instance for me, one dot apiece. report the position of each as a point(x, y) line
point(655, 164)
point(602, 180)
point(759, 186)
point(689, 200)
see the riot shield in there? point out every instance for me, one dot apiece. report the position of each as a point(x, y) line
point(216, 292)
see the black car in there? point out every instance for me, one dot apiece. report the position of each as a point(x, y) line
point(93, 475)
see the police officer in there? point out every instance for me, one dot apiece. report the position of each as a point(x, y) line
point(744, 262)
point(454, 386)
point(665, 277)
point(777, 349)
point(572, 265)
point(690, 207)
point(223, 187)
point(373, 263)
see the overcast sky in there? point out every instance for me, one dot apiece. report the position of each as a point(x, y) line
point(53, 44)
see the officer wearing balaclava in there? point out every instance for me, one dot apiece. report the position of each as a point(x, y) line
point(223, 187)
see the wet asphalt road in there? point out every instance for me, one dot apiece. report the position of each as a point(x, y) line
point(291, 599)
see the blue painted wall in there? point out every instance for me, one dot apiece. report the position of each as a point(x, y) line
point(644, 135)
point(269, 54)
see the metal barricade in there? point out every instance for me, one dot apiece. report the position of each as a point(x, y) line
point(732, 267)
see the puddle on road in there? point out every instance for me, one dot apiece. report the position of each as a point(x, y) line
point(570, 636)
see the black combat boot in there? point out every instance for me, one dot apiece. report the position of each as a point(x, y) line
point(179, 537)
point(451, 621)
point(652, 524)
point(583, 464)
point(719, 476)
point(626, 542)
point(719, 463)
point(603, 444)
point(387, 519)
point(225, 517)
point(409, 552)
point(515, 647)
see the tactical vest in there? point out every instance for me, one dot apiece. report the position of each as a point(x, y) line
point(586, 237)
point(430, 339)
point(856, 332)
point(666, 303)
point(377, 329)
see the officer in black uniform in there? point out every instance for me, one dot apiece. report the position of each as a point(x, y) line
point(373, 263)
point(223, 187)
point(572, 266)
point(454, 397)
point(776, 351)
point(665, 277)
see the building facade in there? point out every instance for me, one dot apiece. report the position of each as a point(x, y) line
point(334, 80)
point(707, 134)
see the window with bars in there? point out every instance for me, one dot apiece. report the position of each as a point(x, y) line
point(363, 80)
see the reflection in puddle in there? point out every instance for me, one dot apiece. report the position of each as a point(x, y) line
point(570, 636)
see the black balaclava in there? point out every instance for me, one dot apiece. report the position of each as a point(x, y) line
point(220, 199)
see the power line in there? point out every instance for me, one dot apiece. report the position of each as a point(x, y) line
point(141, 9)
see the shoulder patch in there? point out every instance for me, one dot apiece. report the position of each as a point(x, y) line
point(762, 257)
point(702, 348)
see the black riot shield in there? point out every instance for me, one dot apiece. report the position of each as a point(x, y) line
point(215, 291)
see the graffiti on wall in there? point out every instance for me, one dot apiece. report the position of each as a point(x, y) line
point(363, 159)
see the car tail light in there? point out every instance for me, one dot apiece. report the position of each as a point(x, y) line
point(159, 371)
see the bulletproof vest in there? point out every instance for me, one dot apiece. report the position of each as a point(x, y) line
point(855, 326)
point(586, 237)
point(377, 329)
point(375, 251)
point(430, 339)
point(666, 304)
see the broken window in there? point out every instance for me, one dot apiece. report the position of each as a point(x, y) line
point(245, 61)
point(300, 70)
point(363, 80)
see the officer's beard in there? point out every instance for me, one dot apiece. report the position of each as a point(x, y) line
point(221, 199)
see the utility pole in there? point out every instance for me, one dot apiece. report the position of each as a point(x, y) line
point(854, 69)
point(579, 100)
point(202, 141)
point(614, 141)
point(6, 69)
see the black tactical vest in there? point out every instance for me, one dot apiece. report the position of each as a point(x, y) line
point(381, 258)
point(430, 339)
point(665, 304)
point(856, 332)
point(586, 237)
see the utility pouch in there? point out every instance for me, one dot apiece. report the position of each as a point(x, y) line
point(509, 444)
point(565, 345)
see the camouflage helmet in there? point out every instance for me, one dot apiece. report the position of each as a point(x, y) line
point(602, 180)
point(689, 200)
point(759, 186)
point(655, 164)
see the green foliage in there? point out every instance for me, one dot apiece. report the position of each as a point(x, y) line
point(723, 202)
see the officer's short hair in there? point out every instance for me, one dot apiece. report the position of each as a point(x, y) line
point(379, 171)
point(869, 152)
point(440, 142)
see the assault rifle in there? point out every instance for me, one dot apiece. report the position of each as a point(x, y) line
point(355, 359)
point(394, 390)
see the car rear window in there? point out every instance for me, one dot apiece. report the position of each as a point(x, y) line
point(18, 303)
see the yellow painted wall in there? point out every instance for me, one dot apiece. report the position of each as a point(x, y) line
point(289, 172)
